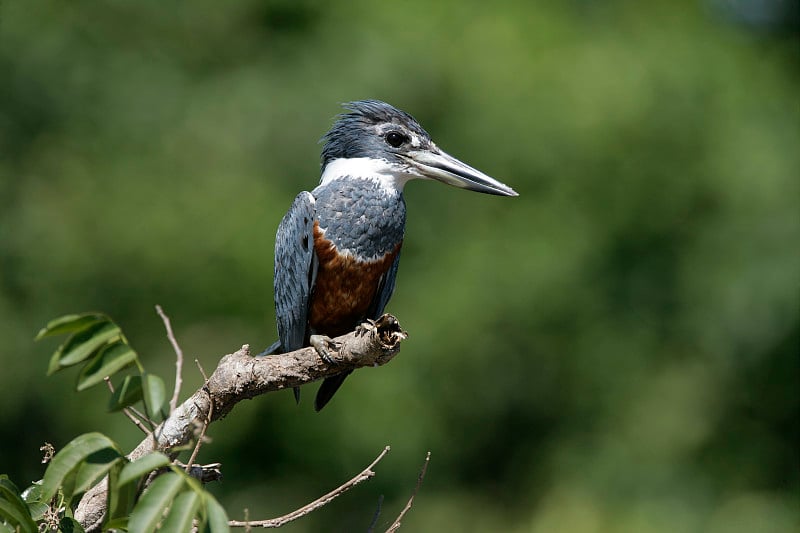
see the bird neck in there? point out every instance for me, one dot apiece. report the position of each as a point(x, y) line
point(378, 170)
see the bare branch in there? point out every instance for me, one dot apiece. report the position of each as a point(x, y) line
point(239, 376)
point(142, 417)
point(173, 402)
point(202, 372)
point(365, 474)
point(397, 522)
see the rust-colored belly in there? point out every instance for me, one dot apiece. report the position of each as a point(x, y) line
point(345, 287)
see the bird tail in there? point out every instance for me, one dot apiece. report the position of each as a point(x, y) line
point(276, 348)
point(272, 349)
point(328, 389)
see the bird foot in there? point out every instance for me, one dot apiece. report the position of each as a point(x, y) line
point(365, 327)
point(324, 344)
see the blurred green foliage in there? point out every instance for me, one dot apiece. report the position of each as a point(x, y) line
point(614, 350)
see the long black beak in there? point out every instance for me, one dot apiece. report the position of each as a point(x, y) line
point(440, 166)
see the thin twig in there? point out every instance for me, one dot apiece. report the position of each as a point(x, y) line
point(396, 524)
point(247, 528)
point(142, 417)
point(203, 372)
point(206, 422)
point(126, 411)
point(173, 402)
point(366, 474)
point(200, 438)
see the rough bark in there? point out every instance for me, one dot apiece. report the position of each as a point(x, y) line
point(240, 376)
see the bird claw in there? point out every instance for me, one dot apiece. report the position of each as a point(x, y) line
point(323, 344)
point(366, 327)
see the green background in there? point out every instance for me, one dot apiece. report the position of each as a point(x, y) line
point(614, 350)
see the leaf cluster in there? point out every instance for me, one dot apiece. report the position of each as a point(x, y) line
point(98, 344)
point(144, 495)
point(171, 502)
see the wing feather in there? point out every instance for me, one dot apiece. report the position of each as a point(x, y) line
point(385, 290)
point(295, 271)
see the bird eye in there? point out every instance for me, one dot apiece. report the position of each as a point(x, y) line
point(395, 139)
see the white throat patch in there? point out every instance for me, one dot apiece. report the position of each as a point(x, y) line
point(390, 178)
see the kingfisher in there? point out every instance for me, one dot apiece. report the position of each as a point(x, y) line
point(337, 249)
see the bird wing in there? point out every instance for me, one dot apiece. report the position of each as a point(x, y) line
point(295, 271)
point(385, 289)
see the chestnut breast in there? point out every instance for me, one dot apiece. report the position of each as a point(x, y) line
point(345, 288)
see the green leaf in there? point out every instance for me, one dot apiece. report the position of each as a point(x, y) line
point(32, 493)
point(126, 394)
point(112, 359)
point(83, 344)
point(69, 525)
point(95, 467)
point(13, 508)
point(8, 487)
point(69, 324)
point(22, 520)
point(120, 497)
point(182, 512)
point(37, 510)
point(67, 488)
point(156, 499)
point(33, 496)
point(155, 393)
point(216, 517)
point(53, 365)
point(144, 465)
point(66, 461)
point(120, 523)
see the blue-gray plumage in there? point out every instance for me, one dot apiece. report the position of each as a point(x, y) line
point(338, 247)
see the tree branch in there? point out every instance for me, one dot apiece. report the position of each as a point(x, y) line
point(366, 474)
point(398, 521)
point(239, 376)
point(173, 402)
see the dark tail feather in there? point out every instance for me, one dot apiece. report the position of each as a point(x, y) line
point(272, 349)
point(275, 348)
point(328, 389)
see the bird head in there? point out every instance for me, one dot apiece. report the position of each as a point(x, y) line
point(375, 140)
